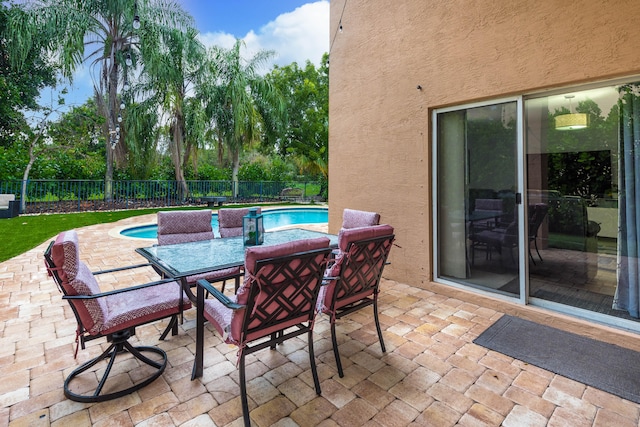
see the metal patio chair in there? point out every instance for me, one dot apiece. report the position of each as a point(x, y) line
point(113, 314)
point(275, 303)
point(352, 282)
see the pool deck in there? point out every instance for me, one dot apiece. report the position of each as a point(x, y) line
point(431, 375)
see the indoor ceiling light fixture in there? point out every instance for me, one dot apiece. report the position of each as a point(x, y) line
point(572, 120)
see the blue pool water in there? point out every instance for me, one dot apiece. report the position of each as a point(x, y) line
point(272, 218)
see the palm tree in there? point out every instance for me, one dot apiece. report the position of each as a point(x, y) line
point(239, 101)
point(169, 72)
point(103, 35)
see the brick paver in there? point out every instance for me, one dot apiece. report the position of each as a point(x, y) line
point(431, 374)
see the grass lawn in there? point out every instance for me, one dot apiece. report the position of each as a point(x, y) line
point(25, 232)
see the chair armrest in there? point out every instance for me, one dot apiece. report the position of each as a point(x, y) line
point(119, 291)
point(129, 267)
point(204, 285)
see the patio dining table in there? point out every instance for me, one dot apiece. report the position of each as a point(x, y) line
point(187, 259)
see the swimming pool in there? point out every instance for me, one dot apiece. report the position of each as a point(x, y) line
point(273, 218)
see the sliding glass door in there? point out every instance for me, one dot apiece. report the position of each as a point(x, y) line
point(582, 163)
point(477, 226)
point(544, 198)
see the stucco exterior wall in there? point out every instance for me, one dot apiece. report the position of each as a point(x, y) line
point(457, 52)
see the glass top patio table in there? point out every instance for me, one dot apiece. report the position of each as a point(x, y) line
point(187, 259)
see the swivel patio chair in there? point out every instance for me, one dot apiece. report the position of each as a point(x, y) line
point(352, 282)
point(352, 218)
point(113, 314)
point(276, 302)
point(193, 226)
point(230, 221)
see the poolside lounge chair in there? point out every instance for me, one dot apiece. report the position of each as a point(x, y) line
point(115, 315)
point(353, 281)
point(277, 300)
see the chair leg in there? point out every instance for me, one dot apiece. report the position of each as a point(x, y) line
point(172, 326)
point(537, 251)
point(312, 362)
point(118, 346)
point(377, 320)
point(198, 359)
point(243, 393)
point(336, 354)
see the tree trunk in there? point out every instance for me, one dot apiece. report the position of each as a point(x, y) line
point(176, 155)
point(25, 175)
point(235, 154)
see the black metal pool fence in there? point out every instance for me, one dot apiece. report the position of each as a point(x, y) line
point(58, 196)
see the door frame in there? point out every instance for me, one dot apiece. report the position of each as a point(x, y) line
point(523, 264)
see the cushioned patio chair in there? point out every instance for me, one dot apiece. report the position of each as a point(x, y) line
point(193, 226)
point(112, 314)
point(352, 218)
point(276, 302)
point(352, 282)
point(230, 221)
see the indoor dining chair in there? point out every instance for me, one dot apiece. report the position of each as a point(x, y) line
point(193, 226)
point(112, 314)
point(276, 302)
point(352, 282)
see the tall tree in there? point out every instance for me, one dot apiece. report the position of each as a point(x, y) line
point(239, 100)
point(102, 34)
point(170, 70)
point(305, 139)
point(22, 77)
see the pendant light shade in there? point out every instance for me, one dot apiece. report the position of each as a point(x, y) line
point(572, 121)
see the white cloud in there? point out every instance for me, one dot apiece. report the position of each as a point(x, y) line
point(295, 36)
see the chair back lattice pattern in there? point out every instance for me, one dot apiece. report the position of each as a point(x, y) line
point(362, 269)
point(282, 292)
point(363, 253)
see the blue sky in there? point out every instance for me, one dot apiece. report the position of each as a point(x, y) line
point(297, 30)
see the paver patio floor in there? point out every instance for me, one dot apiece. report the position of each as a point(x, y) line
point(431, 375)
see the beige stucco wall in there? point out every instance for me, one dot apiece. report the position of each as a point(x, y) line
point(458, 52)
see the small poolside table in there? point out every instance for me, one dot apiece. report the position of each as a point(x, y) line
point(187, 259)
